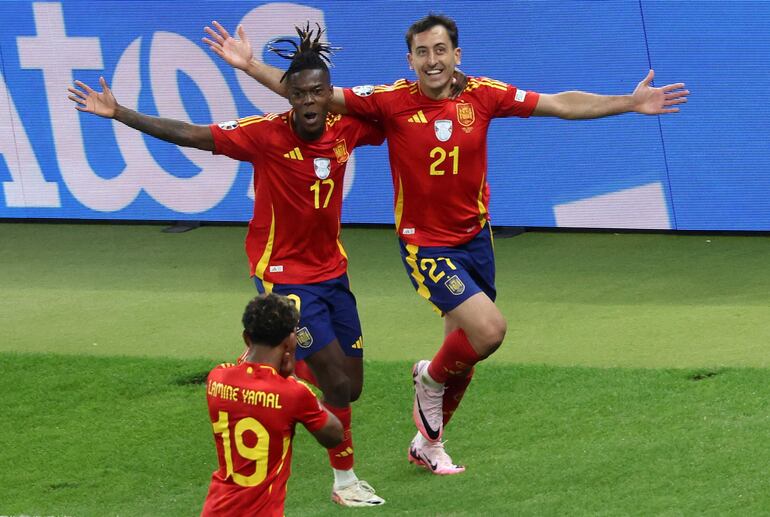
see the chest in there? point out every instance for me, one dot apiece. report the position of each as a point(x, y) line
point(450, 123)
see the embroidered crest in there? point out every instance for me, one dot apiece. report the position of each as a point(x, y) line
point(455, 285)
point(304, 338)
point(341, 151)
point(363, 91)
point(229, 125)
point(322, 167)
point(443, 129)
point(465, 114)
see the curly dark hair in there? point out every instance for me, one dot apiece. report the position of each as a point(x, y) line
point(430, 21)
point(309, 54)
point(269, 319)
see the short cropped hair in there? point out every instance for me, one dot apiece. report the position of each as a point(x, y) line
point(429, 22)
point(269, 319)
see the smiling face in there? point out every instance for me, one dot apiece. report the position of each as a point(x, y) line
point(434, 58)
point(310, 94)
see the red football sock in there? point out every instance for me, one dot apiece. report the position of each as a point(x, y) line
point(302, 370)
point(341, 457)
point(453, 394)
point(454, 357)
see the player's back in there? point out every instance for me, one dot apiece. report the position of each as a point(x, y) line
point(253, 412)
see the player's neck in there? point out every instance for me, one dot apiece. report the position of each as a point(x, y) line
point(264, 355)
point(436, 94)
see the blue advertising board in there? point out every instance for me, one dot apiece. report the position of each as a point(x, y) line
point(702, 169)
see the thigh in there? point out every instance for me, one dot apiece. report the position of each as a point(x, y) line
point(344, 316)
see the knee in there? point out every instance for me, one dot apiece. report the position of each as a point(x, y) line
point(355, 391)
point(336, 389)
point(491, 337)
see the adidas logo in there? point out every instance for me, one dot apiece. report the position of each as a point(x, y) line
point(359, 344)
point(294, 154)
point(344, 454)
point(418, 118)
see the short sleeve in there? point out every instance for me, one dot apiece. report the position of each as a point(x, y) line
point(369, 133)
point(362, 102)
point(235, 141)
point(309, 410)
point(508, 100)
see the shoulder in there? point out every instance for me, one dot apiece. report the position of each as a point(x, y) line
point(483, 84)
point(398, 87)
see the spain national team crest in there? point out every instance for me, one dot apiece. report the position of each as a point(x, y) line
point(304, 338)
point(455, 285)
point(341, 151)
point(465, 115)
point(443, 129)
point(322, 167)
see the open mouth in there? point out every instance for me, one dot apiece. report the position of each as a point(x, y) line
point(310, 116)
point(433, 72)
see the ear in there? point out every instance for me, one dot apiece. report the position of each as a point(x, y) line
point(409, 60)
point(246, 338)
point(458, 55)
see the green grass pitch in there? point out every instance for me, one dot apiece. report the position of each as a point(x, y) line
point(634, 378)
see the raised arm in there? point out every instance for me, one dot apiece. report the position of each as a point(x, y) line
point(239, 54)
point(104, 104)
point(645, 99)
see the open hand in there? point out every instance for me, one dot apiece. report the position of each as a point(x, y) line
point(658, 101)
point(236, 52)
point(99, 103)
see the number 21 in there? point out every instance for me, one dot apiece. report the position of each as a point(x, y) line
point(440, 155)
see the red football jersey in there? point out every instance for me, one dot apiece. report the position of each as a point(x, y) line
point(253, 411)
point(438, 153)
point(293, 237)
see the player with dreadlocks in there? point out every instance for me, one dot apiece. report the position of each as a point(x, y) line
point(299, 160)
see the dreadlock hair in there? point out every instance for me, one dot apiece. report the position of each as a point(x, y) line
point(310, 54)
point(429, 22)
point(269, 319)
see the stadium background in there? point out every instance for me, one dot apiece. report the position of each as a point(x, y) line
point(704, 169)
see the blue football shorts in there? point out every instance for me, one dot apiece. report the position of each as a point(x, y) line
point(327, 311)
point(448, 275)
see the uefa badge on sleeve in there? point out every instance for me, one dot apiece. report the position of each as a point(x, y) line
point(229, 125)
point(364, 90)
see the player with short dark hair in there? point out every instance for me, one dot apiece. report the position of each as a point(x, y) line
point(293, 241)
point(254, 407)
point(437, 147)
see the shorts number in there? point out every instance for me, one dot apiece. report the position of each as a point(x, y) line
point(439, 155)
point(316, 188)
point(430, 265)
point(258, 453)
point(296, 300)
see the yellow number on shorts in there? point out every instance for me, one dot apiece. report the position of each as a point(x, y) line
point(316, 188)
point(297, 301)
point(429, 265)
point(258, 453)
point(440, 155)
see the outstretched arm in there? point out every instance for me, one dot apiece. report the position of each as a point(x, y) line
point(104, 104)
point(645, 99)
point(239, 54)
